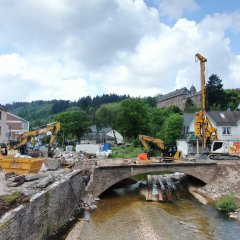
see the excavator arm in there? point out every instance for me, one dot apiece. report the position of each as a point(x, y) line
point(54, 128)
point(169, 152)
point(144, 139)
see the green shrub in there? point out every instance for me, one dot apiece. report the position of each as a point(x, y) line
point(226, 203)
point(10, 198)
point(125, 152)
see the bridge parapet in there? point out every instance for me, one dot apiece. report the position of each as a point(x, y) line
point(104, 177)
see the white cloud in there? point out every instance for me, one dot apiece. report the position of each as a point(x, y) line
point(79, 48)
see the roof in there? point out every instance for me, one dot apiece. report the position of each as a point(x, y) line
point(178, 92)
point(97, 136)
point(24, 120)
point(225, 118)
point(188, 118)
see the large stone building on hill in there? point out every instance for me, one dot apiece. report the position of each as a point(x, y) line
point(179, 98)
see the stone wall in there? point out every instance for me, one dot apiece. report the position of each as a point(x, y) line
point(47, 211)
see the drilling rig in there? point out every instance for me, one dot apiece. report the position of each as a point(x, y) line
point(203, 127)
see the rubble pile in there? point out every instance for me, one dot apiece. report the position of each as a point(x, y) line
point(69, 158)
point(89, 202)
point(226, 181)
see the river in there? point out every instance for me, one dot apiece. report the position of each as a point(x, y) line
point(122, 215)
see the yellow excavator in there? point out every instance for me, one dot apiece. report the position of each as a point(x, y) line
point(203, 127)
point(26, 137)
point(11, 163)
point(169, 152)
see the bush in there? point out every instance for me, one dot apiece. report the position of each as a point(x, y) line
point(125, 152)
point(227, 203)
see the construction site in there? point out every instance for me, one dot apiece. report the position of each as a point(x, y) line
point(50, 178)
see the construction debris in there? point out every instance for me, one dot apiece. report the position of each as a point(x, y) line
point(162, 188)
point(69, 159)
point(88, 202)
point(45, 182)
point(15, 180)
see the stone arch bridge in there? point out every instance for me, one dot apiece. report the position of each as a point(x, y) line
point(103, 177)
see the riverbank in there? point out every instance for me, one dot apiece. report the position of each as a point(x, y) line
point(226, 181)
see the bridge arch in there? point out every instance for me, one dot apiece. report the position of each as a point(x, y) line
point(107, 176)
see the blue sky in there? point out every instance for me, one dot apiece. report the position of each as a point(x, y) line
point(89, 47)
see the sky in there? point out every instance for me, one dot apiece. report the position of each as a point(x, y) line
point(68, 49)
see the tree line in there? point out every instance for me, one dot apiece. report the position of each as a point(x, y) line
point(130, 116)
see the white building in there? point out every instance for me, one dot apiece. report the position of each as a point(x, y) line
point(105, 135)
point(226, 122)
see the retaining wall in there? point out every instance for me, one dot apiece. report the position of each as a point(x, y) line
point(46, 211)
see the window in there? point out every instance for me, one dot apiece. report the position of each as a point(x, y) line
point(0, 130)
point(217, 145)
point(0, 115)
point(226, 130)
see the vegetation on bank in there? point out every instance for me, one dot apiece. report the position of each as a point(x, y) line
point(11, 200)
point(226, 203)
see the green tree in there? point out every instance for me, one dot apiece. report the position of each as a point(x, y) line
point(107, 115)
point(232, 98)
point(158, 117)
point(173, 128)
point(134, 118)
point(74, 124)
point(150, 101)
point(215, 96)
point(190, 106)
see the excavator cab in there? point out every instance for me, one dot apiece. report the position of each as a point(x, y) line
point(171, 151)
point(3, 149)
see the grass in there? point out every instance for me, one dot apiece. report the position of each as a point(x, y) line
point(125, 151)
point(10, 198)
point(227, 203)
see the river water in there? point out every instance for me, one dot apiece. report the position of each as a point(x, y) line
point(122, 215)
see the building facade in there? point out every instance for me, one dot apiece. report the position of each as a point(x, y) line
point(179, 98)
point(3, 125)
point(11, 126)
point(227, 124)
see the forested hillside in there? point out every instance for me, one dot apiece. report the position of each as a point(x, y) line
point(41, 112)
